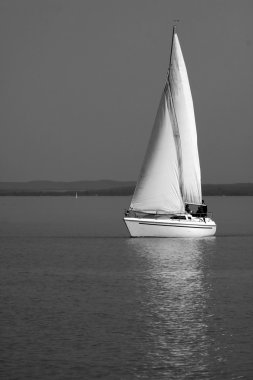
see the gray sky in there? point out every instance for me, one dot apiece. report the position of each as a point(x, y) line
point(81, 82)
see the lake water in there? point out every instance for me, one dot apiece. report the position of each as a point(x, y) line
point(82, 300)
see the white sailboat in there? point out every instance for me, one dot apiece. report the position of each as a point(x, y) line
point(170, 176)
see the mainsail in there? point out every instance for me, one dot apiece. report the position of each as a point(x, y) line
point(183, 106)
point(170, 175)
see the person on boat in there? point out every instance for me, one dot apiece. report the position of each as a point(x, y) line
point(204, 206)
point(187, 209)
point(202, 211)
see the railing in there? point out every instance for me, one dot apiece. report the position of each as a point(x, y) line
point(183, 215)
point(201, 215)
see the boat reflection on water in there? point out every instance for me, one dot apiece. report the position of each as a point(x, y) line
point(175, 301)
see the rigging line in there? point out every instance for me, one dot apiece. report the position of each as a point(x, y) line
point(176, 135)
point(175, 126)
point(171, 49)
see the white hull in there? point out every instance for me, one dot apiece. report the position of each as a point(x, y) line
point(169, 228)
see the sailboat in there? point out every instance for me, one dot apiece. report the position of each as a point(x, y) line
point(169, 184)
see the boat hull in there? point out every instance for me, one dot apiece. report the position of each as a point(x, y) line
point(144, 227)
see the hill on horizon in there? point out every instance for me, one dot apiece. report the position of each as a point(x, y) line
point(105, 187)
point(64, 185)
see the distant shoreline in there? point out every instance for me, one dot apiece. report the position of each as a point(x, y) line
point(106, 188)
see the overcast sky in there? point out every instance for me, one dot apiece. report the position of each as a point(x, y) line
point(80, 82)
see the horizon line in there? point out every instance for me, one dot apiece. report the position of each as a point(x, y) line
point(111, 180)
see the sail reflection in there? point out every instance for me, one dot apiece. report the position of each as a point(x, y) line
point(176, 301)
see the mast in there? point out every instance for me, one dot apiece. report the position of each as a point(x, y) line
point(171, 47)
point(175, 125)
point(171, 50)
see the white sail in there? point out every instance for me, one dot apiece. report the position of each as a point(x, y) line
point(170, 175)
point(184, 111)
point(157, 189)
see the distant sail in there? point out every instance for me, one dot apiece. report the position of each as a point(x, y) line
point(170, 175)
